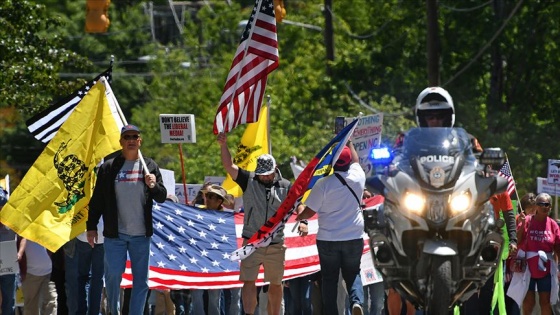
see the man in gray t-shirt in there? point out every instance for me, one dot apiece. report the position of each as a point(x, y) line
point(124, 194)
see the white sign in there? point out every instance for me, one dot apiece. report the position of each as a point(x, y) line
point(553, 171)
point(367, 136)
point(192, 190)
point(368, 272)
point(177, 128)
point(8, 258)
point(543, 186)
point(168, 178)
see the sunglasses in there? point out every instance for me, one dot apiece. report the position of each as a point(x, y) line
point(131, 137)
point(212, 196)
point(543, 204)
point(435, 117)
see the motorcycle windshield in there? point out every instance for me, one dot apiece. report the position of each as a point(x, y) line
point(437, 149)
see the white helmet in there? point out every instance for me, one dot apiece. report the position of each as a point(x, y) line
point(434, 100)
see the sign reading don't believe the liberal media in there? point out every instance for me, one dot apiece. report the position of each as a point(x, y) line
point(177, 128)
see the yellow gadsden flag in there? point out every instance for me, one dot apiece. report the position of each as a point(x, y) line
point(253, 143)
point(49, 206)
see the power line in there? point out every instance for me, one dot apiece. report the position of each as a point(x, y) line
point(366, 105)
point(466, 9)
point(481, 51)
point(355, 36)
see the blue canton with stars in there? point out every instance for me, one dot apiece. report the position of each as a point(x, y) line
point(192, 239)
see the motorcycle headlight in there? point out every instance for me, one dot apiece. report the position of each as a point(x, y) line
point(460, 203)
point(414, 202)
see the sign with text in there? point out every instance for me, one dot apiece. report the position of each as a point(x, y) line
point(366, 136)
point(8, 258)
point(177, 128)
point(553, 171)
point(543, 186)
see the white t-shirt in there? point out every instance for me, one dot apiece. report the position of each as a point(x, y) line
point(38, 261)
point(339, 214)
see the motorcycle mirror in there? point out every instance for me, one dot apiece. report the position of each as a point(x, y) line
point(493, 156)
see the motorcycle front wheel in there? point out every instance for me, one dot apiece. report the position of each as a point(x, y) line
point(441, 282)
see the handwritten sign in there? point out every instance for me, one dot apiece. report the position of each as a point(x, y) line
point(367, 136)
point(177, 128)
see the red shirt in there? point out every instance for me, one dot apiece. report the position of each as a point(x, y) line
point(501, 202)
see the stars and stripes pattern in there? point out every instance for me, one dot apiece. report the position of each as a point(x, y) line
point(191, 248)
point(45, 124)
point(255, 58)
point(505, 172)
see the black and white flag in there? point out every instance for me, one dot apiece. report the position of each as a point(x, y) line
point(45, 124)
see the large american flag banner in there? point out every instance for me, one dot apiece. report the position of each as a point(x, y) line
point(505, 172)
point(255, 58)
point(191, 249)
point(45, 124)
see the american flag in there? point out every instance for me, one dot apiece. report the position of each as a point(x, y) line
point(255, 58)
point(191, 248)
point(45, 124)
point(505, 172)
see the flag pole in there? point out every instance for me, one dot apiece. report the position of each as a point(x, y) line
point(113, 99)
point(183, 174)
point(245, 49)
point(268, 102)
point(513, 179)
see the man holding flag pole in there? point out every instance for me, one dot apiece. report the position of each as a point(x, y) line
point(263, 192)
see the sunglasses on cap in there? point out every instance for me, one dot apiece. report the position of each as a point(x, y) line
point(131, 137)
point(543, 204)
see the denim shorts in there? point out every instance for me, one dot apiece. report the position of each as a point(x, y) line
point(543, 284)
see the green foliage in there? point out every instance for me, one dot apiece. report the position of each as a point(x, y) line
point(498, 62)
point(31, 55)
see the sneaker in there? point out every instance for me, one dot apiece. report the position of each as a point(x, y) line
point(357, 309)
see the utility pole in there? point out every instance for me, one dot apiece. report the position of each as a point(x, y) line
point(433, 43)
point(329, 34)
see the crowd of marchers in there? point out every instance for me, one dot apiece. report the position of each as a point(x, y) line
point(84, 277)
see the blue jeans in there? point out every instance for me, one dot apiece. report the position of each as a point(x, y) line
point(300, 291)
point(336, 257)
point(116, 249)
point(375, 294)
point(8, 288)
point(232, 301)
point(214, 305)
point(84, 278)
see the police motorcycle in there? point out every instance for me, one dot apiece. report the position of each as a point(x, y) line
point(437, 240)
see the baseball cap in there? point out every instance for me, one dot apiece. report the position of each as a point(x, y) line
point(265, 165)
point(344, 158)
point(129, 128)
